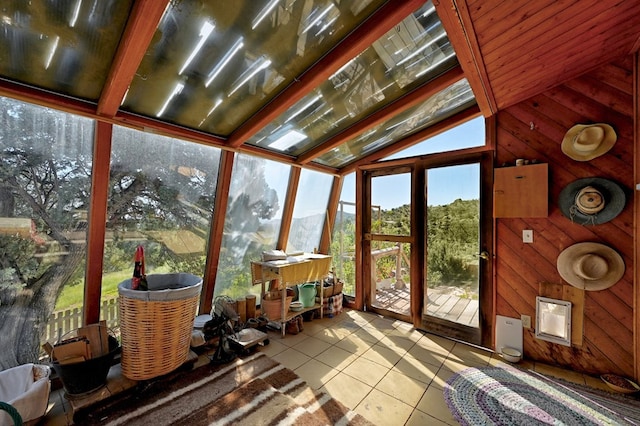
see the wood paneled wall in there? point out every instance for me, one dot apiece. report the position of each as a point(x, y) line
point(534, 130)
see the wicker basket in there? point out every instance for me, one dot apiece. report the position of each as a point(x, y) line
point(272, 309)
point(330, 290)
point(156, 325)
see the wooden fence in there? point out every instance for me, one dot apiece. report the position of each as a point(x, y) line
point(62, 322)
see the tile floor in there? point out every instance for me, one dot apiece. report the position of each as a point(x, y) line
point(383, 369)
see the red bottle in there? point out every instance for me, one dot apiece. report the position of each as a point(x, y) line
point(139, 279)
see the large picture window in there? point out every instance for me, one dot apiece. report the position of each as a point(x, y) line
point(252, 222)
point(161, 196)
point(45, 190)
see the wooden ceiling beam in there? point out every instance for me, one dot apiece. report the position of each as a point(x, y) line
point(407, 101)
point(429, 132)
point(141, 26)
point(283, 158)
point(46, 99)
point(457, 22)
point(383, 20)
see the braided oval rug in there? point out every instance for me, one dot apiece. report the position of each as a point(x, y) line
point(510, 396)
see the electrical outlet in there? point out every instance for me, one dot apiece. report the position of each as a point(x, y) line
point(526, 321)
point(527, 236)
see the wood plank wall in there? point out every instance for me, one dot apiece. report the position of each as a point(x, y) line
point(534, 130)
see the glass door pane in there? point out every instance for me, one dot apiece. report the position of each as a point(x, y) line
point(391, 246)
point(451, 290)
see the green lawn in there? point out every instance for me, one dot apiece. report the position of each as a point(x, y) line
point(72, 295)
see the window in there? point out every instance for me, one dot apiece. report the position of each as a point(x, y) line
point(161, 196)
point(45, 190)
point(343, 243)
point(309, 212)
point(252, 223)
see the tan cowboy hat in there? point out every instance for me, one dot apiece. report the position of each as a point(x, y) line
point(584, 142)
point(590, 266)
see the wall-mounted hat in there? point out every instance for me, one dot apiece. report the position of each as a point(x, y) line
point(584, 142)
point(591, 201)
point(590, 266)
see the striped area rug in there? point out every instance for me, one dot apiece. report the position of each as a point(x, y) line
point(255, 390)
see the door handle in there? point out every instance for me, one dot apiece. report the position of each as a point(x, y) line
point(483, 255)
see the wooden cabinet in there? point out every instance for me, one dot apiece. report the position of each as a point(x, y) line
point(521, 191)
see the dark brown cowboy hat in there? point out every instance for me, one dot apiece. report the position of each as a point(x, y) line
point(592, 201)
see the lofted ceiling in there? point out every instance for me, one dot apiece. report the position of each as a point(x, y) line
point(513, 50)
point(325, 84)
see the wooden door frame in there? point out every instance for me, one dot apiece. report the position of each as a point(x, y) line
point(417, 165)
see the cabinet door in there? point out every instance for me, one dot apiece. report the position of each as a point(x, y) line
point(521, 191)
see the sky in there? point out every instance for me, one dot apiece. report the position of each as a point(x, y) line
point(444, 184)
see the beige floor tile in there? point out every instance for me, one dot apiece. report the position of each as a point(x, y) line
point(316, 373)
point(313, 327)
point(470, 355)
point(291, 358)
point(433, 402)
point(383, 410)
point(436, 344)
point(336, 358)
point(368, 334)
point(290, 339)
point(361, 317)
point(407, 331)
point(366, 371)
point(402, 387)
point(382, 355)
point(347, 390)
point(418, 418)
point(456, 364)
point(426, 355)
point(350, 321)
point(441, 378)
point(383, 324)
point(273, 348)
point(354, 344)
point(332, 335)
point(416, 369)
point(400, 344)
point(312, 346)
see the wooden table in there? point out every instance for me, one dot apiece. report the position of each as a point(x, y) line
point(289, 272)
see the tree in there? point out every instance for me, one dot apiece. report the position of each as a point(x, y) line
point(45, 176)
point(36, 182)
point(247, 230)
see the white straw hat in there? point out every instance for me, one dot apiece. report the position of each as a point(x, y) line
point(590, 266)
point(584, 142)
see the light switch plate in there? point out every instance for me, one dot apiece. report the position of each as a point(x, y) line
point(526, 321)
point(527, 236)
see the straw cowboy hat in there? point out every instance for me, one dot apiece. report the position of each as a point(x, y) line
point(584, 142)
point(591, 201)
point(590, 266)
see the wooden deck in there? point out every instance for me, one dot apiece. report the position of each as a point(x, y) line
point(441, 304)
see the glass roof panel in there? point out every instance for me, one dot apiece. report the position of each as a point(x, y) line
point(64, 46)
point(213, 64)
point(444, 104)
point(414, 52)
